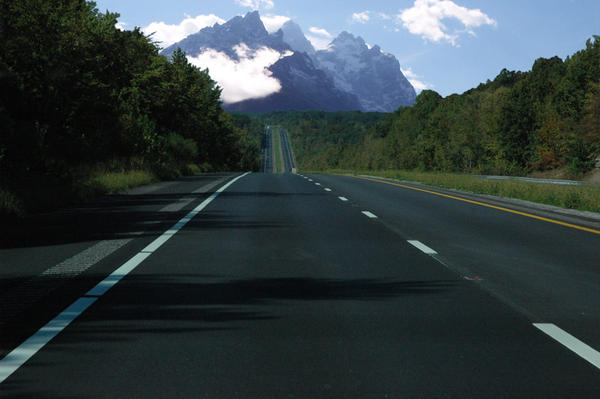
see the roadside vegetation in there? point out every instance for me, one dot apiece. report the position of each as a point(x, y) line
point(583, 198)
point(542, 122)
point(517, 124)
point(86, 108)
point(277, 160)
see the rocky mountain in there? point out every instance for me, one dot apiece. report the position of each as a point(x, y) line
point(347, 76)
point(249, 30)
point(372, 75)
point(294, 37)
point(304, 87)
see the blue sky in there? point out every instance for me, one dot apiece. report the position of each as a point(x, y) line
point(447, 45)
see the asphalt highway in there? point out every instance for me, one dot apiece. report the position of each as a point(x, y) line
point(288, 157)
point(267, 166)
point(282, 285)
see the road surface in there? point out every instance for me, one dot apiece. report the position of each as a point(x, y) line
point(283, 285)
point(288, 162)
point(268, 151)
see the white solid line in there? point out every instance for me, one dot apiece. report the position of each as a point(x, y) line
point(185, 201)
point(343, 199)
point(207, 187)
point(15, 359)
point(572, 343)
point(32, 345)
point(327, 189)
point(118, 274)
point(154, 245)
point(422, 247)
point(179, 205)
point(369, 214)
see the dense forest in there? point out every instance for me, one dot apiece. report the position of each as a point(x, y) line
point(78, 95)
point(521, 122)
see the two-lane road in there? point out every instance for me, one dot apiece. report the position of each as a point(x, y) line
point(317, 287)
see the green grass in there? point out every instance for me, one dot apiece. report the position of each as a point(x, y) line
point(43, 195)
point(113, 182)
point(277, 167)
point(10, 204)
point(584, 198)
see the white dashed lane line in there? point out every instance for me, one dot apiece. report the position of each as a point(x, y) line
point(580, 348)
point(424, 248)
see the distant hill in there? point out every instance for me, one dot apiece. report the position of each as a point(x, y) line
point(347, 76)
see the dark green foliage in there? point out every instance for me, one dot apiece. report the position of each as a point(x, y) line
point(518, 123)
point(323, 139)
point(77, 92)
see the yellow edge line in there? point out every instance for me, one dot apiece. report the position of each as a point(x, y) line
point(529, 215)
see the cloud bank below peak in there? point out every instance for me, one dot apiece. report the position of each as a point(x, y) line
point(243, 79)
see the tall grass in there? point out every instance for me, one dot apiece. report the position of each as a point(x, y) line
point(584, 197)
point(112, 182)
point(10, 204)
point(39, 194)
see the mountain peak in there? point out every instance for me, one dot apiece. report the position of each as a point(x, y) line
point(253, 16)
point(349, 41)
point(294, 37)
point(348, 75)
point(249, 25)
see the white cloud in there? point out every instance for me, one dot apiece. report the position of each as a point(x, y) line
point(273, 22)
point(319, 31)
point(415, 81)
point(383, 15)
point(256, 4)
point(319, 42)
point(166, 34)
point(361, 17)
point(425, 19)
point(245, 78)
point(120, 25)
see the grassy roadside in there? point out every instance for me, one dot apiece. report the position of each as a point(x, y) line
point(112, 182)
point(42, 195)
point(277, 152)
point(583, 198)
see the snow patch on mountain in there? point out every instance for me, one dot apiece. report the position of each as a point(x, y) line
point(372, 75)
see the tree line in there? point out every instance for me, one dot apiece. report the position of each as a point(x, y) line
point(76, 93)
point(520, 122)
